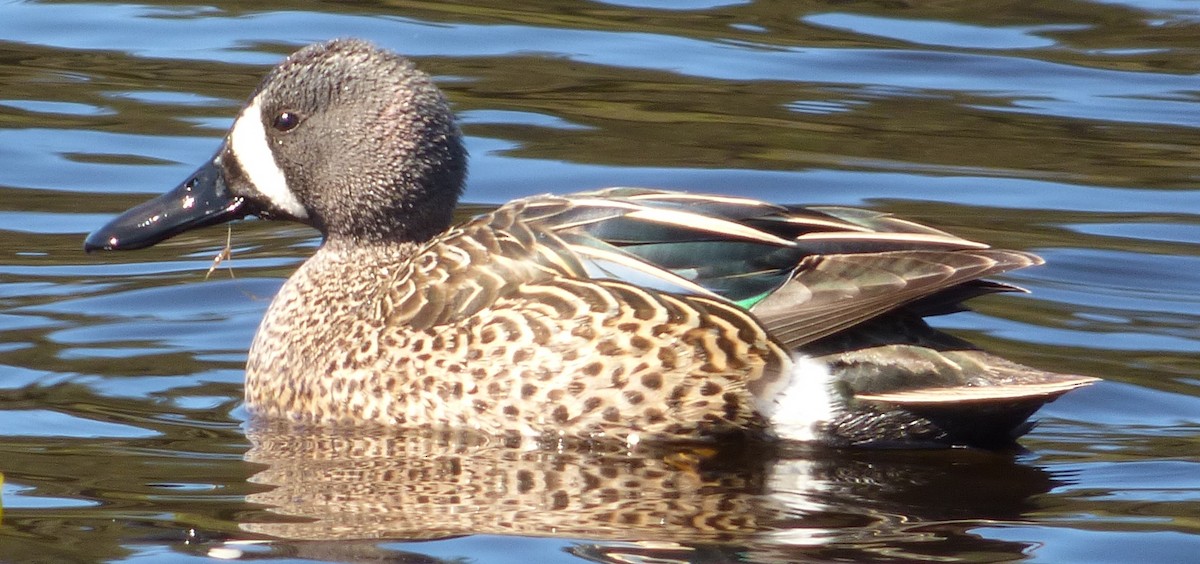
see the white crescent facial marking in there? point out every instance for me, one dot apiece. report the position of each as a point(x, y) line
point(248, 143)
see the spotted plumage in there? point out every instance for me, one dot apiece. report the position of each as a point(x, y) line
point(625, 313)
point(427, 484)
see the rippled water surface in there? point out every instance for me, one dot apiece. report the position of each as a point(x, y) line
point(1066, 128)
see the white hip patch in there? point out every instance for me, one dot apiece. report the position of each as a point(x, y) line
point(797, 412)
point(248, 143)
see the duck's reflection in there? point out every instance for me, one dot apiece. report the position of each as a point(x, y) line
point(644, 503)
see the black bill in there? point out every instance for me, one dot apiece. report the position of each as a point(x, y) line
point(204, 199)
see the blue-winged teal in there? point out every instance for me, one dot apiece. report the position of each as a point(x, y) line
point(623, 313)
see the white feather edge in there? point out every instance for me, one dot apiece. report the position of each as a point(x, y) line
point(944, 240)
point(978, 393)
point(689, 220)
point(599, 264)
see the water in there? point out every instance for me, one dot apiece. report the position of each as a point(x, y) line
point(1068, 129)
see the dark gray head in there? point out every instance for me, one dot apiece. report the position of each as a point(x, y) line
point(343, 136)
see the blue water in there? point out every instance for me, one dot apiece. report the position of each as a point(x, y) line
point(1069, 129)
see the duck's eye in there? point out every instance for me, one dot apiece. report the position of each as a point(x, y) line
point(286, 121)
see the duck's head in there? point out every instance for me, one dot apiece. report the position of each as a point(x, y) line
point(343, 136)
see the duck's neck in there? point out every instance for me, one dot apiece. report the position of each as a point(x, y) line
point(388, 230)
point(347, 249)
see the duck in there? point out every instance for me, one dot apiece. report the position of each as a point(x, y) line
point(625, 314)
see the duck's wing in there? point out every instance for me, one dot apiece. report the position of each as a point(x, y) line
point(806, 273)
point(669, 241)
point(830, 293)
point(670, 244)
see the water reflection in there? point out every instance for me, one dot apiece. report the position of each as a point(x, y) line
point(759, 502)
